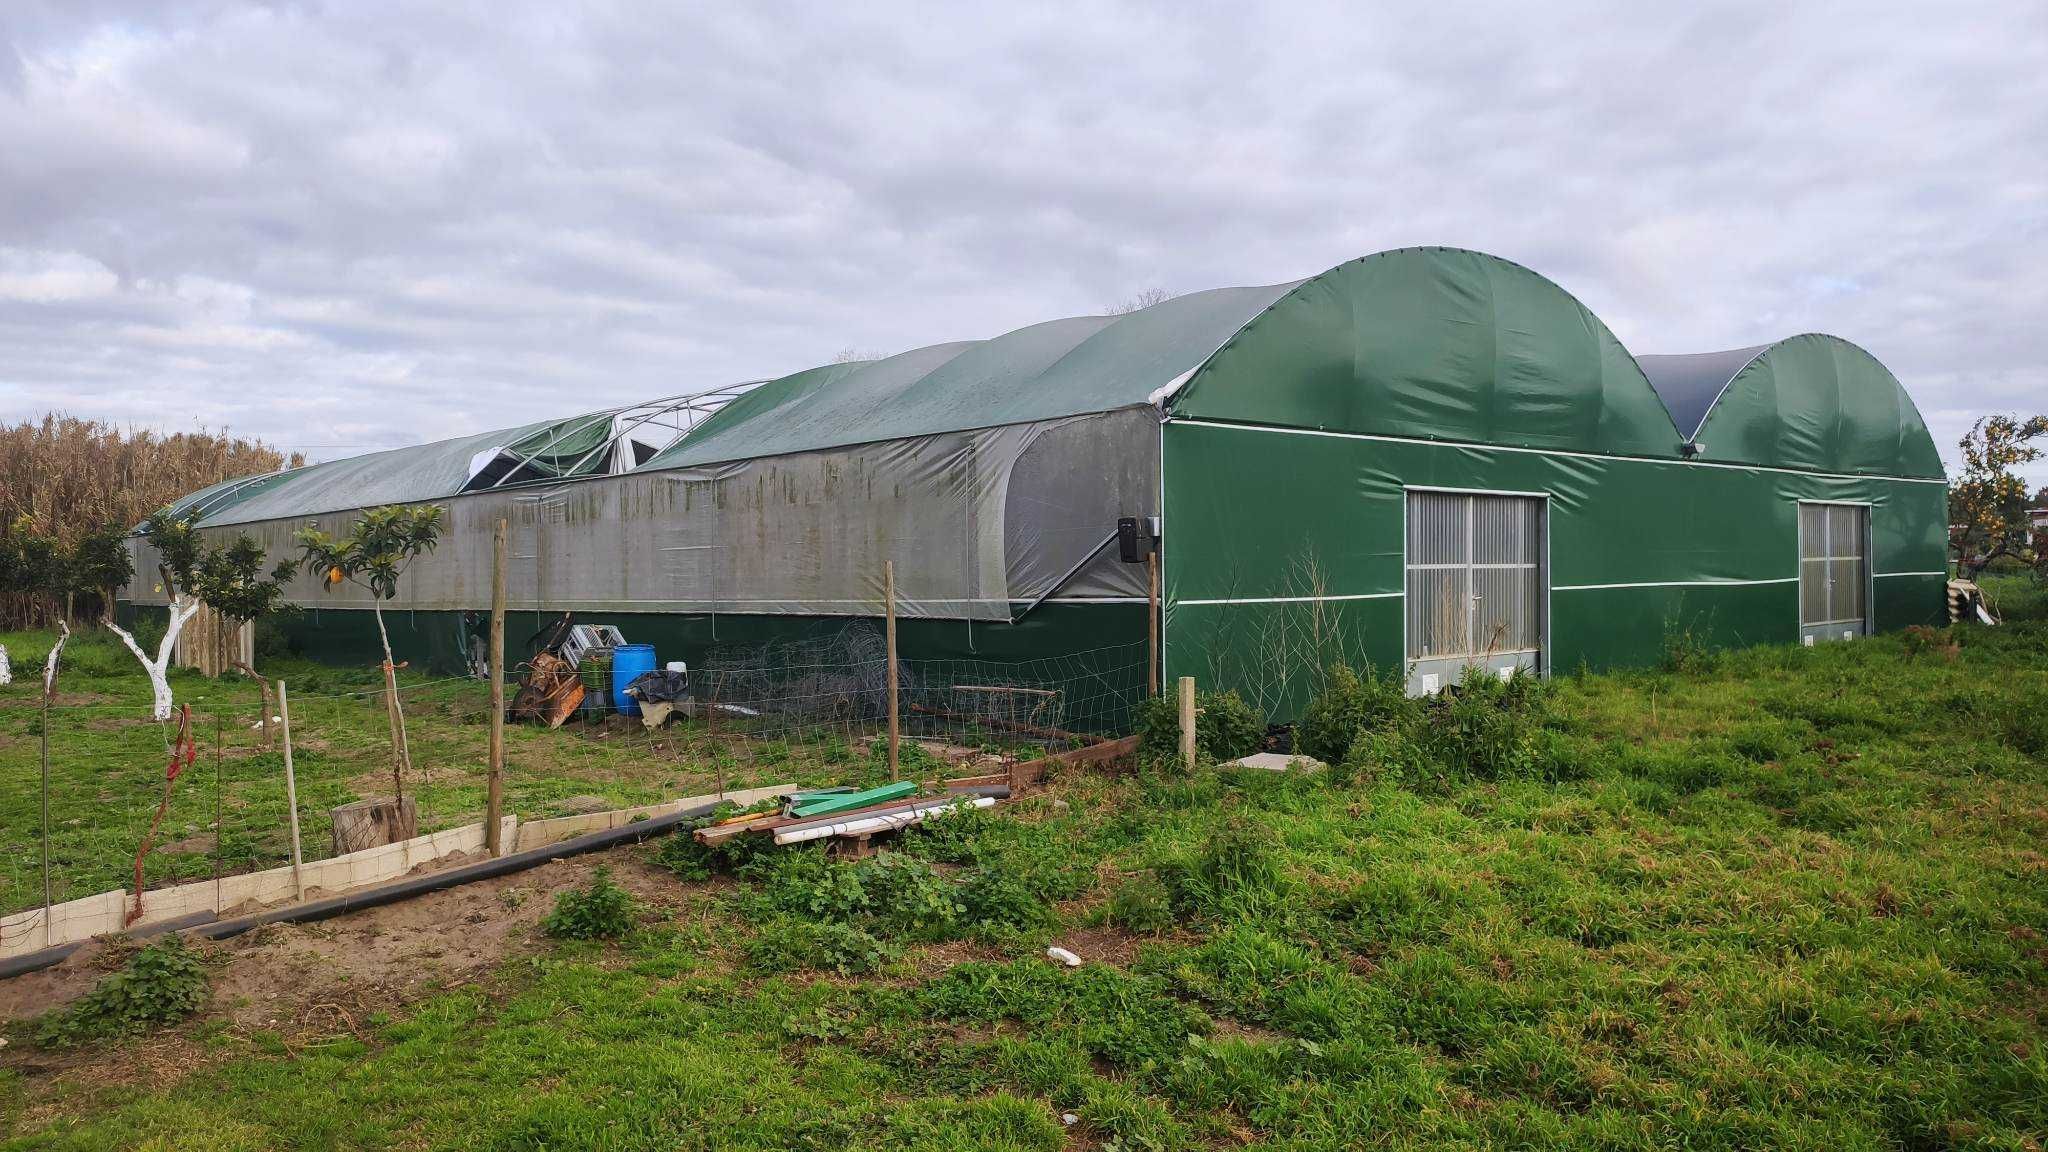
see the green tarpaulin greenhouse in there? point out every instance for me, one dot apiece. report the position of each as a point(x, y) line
point(1428, 459)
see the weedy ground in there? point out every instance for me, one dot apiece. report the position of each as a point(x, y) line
point(1778, 898)
point(108, 758)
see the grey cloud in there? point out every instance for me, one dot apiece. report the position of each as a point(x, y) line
point(370, 224)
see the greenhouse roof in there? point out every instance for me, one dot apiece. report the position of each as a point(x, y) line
point(1438, 343)
point(1690, 382)
point(1071, 367)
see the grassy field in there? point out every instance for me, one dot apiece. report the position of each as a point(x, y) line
point(1779, 898)
point(107, 760)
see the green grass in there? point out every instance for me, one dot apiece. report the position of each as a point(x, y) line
point(107, 761)
point(1787, 898)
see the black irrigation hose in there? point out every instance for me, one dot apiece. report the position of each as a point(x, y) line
point(204, 925)
point(56, 953)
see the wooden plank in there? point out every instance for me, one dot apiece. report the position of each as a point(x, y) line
point(1033, 771)
point(720, 833)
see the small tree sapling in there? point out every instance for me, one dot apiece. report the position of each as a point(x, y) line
point(230, 580)
point(373, 555)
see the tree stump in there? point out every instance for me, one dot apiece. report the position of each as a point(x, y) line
point(370, 823)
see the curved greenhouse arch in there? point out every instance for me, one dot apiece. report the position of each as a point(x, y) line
point(1813, 403)
point(1435, 344)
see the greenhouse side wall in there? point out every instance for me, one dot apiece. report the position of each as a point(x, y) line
point(1285, 550)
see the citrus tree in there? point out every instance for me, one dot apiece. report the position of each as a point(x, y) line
point(1987, 506)
point(230, 579)
point(373, 554)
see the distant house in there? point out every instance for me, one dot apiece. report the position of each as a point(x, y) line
point(2038, 517)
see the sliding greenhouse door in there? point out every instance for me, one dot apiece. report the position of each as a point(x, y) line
point(1834, 571)
point(1475, 585)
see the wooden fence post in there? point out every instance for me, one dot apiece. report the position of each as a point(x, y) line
point(291, 791)
point(1152, 629)
point(494, 796)
point(889, 610)
point(1187, 721)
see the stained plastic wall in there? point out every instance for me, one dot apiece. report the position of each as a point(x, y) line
point(978, 523)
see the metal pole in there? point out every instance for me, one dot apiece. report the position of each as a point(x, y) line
point(494, 796)
point(291, 791)
point(889, 611)
point(1187, 721)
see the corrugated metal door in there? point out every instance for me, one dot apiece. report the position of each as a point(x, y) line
point(1474, 585)
point(1834, 571)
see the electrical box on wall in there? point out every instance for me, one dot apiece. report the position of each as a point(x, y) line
point(1136, 538)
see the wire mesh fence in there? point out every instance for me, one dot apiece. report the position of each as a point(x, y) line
point(209, 802)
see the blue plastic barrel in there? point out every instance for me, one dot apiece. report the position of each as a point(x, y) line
point(628, 662)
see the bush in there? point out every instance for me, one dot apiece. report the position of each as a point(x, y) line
point(160, 984)
point(601, 910)
point(1482, 727)
point(1140, 906)
point(997, 902)
point(792, 945)
point(1225, 727)
point(1347, 704)
point(1235, 871)
point(892, 891)
point(681, 854)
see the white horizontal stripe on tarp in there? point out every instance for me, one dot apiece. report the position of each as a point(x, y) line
point(1673, 584)
point(1292, 599)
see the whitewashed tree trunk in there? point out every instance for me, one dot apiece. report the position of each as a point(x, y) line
point(183, 608)
point(6, 667)
point(50, 665)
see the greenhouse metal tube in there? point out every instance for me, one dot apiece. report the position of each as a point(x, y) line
point(207, 927)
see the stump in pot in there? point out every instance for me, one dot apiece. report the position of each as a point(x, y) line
point(370, 823)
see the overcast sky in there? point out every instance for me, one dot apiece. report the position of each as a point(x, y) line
point(344, 226)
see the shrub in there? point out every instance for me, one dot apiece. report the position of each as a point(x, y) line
point(160, 984)
point(1482, 727)
point(1225, 727)
point(791, 945)
point(1686, 648)
point(681, 854)
point(893, 891)
point(1236, 868)
point(1348, 703)
point(1141, 906)
point(995, 902)
point(601, 910)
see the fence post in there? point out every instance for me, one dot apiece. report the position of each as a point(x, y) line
point(494, 796)
point(48, 930)
point(1187, 721)
point(889, 611)
point(216, 813)
point(291, 791)
point(1152, 624)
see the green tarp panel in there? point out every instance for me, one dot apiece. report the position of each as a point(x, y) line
point(1816, 403)
point(1285, 549)
point(1437, 344)
point(1072, 367)
point(565, 448)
